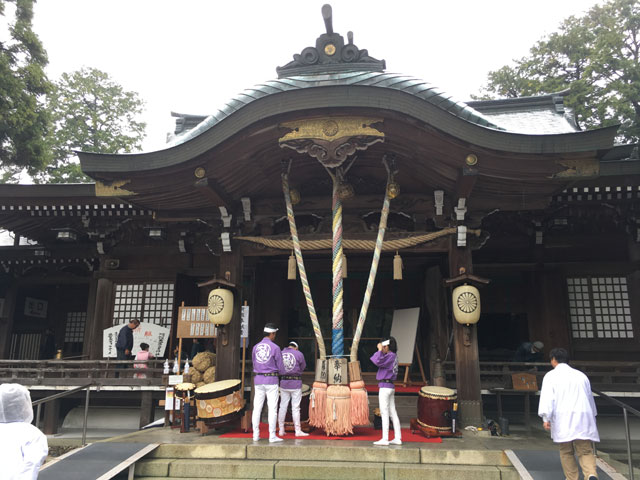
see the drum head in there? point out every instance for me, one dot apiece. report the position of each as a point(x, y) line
point(218, 386)
point(185, 387)
point(437, 392)
point(306, 389)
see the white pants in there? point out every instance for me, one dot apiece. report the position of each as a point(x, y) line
point(387, 399)
point(295, 395)
point(271, 393)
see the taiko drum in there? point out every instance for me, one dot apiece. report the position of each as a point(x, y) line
point(434, 407)
point(219, 399)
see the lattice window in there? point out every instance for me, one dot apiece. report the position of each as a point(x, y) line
point(148, 302)
point(74, 329)
point(599, 307)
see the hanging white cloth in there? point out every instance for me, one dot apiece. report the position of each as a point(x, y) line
point(567, 403)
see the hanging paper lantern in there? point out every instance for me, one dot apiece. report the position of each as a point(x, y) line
point(466, 304)
point(220, 306)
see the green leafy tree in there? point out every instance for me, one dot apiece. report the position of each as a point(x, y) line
point(91, 113)
point(24, 121)
point(595, 57)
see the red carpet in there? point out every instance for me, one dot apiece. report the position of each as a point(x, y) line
point(399, 389)
point(364, 434)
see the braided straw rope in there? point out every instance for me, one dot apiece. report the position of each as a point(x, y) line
point(337, 334)
point(303, 271)
point(353, 244)
point(382, 227)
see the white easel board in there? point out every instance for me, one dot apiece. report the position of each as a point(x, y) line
point(404, 328)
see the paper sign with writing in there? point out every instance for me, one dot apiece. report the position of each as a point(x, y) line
point(156, 336)
point(193, 322)
point(244, 325)
point(35, 308)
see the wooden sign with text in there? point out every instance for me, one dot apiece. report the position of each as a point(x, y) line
point(193, 322)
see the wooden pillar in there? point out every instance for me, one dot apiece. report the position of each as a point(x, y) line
point(228, 356)
point(6, 320)
point(101, 318)
point(51, 416)
point(146, 408)
point(91, 310)
point(439, 330)
point(467, 359)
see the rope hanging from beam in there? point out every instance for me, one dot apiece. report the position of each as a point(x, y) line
point(354, 244)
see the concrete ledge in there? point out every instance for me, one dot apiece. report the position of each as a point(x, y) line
point(153, 468)
point(463, 457)
point(221, 469)
point(332, 454)
point(189, 478)
point(508, 473)
point(438, 472)
point(218, 450)
point(329, 470)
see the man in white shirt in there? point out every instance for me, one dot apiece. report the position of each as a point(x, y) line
point(568, 410)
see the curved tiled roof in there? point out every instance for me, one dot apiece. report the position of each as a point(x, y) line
point(420, 89)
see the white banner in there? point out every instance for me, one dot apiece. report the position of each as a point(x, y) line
point(244, 322)
point(156, 336)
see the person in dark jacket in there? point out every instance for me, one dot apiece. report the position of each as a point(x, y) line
point(529, 352)
point(124, 344)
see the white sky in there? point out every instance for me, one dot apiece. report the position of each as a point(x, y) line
point(192, 56)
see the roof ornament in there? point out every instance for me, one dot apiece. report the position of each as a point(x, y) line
point(331, 55)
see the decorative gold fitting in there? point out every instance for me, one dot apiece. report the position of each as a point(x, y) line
point(295, 196)
point(471, 160)
point(200, 172)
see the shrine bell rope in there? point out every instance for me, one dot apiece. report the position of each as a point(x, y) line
point(354, 244)
point(337, 337)
point(382, 227)
point(300, 262)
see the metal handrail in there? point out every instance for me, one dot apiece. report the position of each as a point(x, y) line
point(55, 396)
point(625, 408)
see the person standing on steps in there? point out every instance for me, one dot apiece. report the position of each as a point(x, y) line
point(291, 387)
point(568, 410)
point(124, 344)
point(267, 364)
point(387, 362)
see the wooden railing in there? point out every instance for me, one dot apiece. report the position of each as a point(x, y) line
point(607, 376)
point(80, 372)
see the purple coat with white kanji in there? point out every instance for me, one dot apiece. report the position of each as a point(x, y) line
point(267, 358)
point(293, 365)
point(387, 364)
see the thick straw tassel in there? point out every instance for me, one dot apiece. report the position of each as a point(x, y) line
point(359, 403)
point(291, 271)
point(338, 411)
point(318, 401)
point(397, 267)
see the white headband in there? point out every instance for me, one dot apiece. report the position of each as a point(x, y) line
point(294, 344)
point(385, 343)
point(270, 330)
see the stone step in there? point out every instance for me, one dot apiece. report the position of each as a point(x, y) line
point(314, 470)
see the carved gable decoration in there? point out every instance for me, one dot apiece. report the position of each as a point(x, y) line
point(331, 55)
point(330, 140)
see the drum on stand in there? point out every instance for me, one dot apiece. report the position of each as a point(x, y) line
point(304, 412)
point(434, 408)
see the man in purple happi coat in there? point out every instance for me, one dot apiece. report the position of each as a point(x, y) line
point(387, 362)
point(267, 364)
point(291, 387)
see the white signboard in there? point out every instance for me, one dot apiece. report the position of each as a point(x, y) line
point(404, 329)
point(156, 336)
point(244, 325)
point(35, 308)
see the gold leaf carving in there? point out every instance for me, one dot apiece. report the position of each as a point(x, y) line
point(583, 167)
point(330, 128)
point(113, 189)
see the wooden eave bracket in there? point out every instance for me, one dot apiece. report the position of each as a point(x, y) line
point(217, 281)
point(209, 190)
point(466, 278)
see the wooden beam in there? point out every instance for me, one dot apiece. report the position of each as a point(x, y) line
point(208, 188)
point(466, 181)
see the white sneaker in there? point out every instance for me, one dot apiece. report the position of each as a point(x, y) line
point(382, 442)
point(300, 433)
point(255, 439)
point(281, 433)
point(275, 439)
point(396, 441)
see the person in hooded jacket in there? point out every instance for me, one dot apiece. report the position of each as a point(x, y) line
point(23, 448)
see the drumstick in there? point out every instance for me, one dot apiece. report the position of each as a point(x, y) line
point(454, 414)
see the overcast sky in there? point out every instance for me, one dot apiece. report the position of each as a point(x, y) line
point(192, 56)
